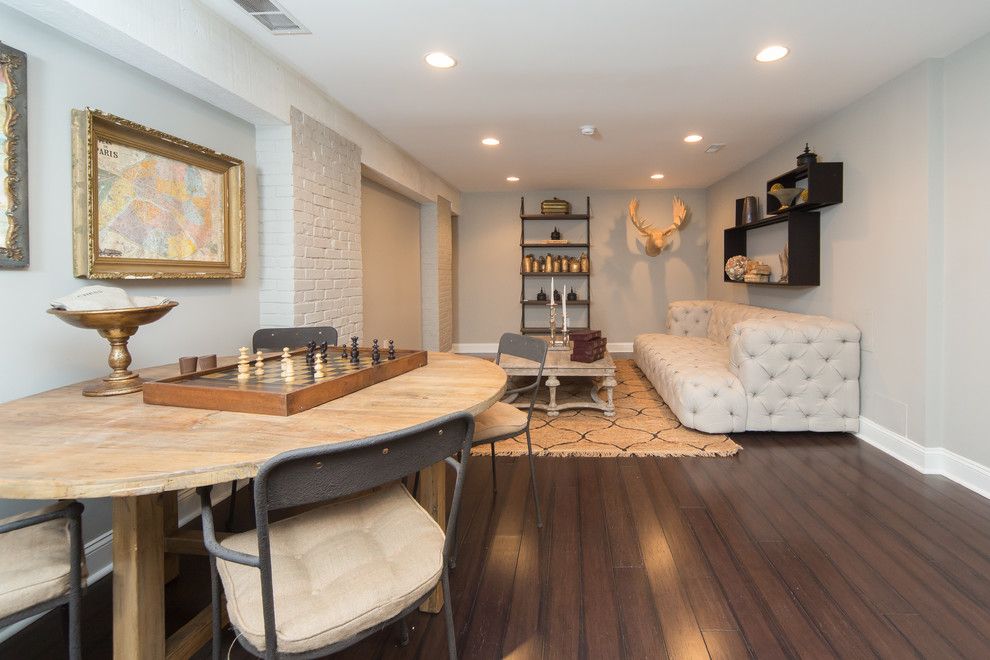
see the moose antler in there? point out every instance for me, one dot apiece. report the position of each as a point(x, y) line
point(656, 239)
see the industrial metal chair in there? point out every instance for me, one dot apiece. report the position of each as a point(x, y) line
point(320, 581)
point(275, 339)
point(504, 421)
point(43, 566)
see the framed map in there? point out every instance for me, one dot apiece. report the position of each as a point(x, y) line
point(13, 159)
point(150, 205)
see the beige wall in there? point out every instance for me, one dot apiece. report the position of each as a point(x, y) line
point(390, 258)
point(629, 291)
point(875, 246)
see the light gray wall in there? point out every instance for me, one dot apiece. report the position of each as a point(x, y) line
point(212, 317)
point(629, 290)
point(390, 262)
point(967, 246)
point(875, 247)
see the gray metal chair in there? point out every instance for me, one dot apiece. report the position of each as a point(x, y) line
point(504, 421)
point(46, 575)
point(275, 339)
point(346, 569)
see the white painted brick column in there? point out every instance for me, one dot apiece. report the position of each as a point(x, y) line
point(273, 146)
point(310, 205)
point(436, 258)
point(326, 172)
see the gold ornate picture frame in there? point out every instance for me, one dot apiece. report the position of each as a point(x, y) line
point(150, 205)
point(13, 159)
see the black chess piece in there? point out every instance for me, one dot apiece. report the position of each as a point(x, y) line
point(345, 355)
point(391, 349)
point(376, 354)
point(323, 352)
point(355, 352)
point(311, 352)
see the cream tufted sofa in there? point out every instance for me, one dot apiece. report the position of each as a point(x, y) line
point(724, 367)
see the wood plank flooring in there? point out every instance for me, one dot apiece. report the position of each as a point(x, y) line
point(803, 545)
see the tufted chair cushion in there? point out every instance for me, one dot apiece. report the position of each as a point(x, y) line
point(689, 318)
point(800, 373)
point(692, 376)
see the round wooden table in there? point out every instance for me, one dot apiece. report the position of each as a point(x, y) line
point(59, 444)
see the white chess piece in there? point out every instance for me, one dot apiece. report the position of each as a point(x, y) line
point(243, 364)
point(259, 364)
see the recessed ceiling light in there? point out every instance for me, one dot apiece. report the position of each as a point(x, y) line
point(694, 137)
point(772, 53)
point(440, 60)
point(656, 177)
point(512, 179)
point(490, 142)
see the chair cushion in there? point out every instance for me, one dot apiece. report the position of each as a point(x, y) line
point(337, 570)
point(36, 560)
point(500, 421)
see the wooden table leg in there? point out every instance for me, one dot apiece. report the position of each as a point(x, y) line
point(433, 498)
point(138, 578)
point(170, 505)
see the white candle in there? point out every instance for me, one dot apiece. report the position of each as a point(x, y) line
point(563, 300)
point(553, 299)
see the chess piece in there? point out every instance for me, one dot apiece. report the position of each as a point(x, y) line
point(286, 361)
point(310, 352)
point(391, 349)
point(355, 353)
point(259, 364)
point(243, 364)
point(318, 366)
point(344, 354)
point(323, 352)
point(376, 355)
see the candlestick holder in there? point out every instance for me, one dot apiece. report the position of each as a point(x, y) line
point(558, 341)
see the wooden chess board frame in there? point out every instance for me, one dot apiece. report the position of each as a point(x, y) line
point(182, 391)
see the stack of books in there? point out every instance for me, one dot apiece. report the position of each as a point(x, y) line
point(588, 346)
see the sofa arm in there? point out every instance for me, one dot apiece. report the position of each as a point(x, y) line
point(798, 373)
point(689, 318)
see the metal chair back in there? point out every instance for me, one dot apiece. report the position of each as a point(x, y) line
point(527, 348)
point(275, 339)
point(323, 473)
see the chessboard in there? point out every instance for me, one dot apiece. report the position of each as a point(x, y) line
point(266, 389)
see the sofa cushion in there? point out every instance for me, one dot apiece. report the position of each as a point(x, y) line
point(692, 376)
point(726, 314)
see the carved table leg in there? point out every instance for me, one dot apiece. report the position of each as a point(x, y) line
point(552, 383)
point(609, 383)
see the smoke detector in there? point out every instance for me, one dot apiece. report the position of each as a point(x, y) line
point(588, 129)
point(273, 16)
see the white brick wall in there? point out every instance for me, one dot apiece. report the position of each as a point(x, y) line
point(326, 210)
point(273, 145)
point(436, 254)
point(310, 183)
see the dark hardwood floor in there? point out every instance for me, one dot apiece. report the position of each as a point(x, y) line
point(803, 545)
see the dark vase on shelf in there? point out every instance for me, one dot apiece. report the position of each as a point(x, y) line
point(555, 234)
point(750, 210)
point(807, 156)
point(541, 296)
point(556, 296)
point(571, 296)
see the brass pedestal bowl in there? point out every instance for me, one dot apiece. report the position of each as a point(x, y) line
point(116, 326)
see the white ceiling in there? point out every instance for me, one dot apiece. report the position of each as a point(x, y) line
point(645, 72)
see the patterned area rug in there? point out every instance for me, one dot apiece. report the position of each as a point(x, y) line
point(643, 425)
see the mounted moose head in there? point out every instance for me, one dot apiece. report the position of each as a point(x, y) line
point(656, 239)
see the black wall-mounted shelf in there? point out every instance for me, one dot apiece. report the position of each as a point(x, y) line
point(824, 184)
point(542, 245)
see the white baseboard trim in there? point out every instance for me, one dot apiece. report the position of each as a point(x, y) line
point(613, 347)
point(927, 460)
point(99, 551)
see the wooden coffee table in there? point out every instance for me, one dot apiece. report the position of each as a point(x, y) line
point(559, 363)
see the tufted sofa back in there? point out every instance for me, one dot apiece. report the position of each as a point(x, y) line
point(798, 371)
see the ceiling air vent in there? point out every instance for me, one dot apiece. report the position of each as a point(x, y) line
point(272, 16)
point(713, 148)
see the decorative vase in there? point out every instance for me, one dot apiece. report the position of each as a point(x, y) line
point(528, 263)
point(750, 210)
point(571, 295)
point(807, 156)
point(585, 263)
point(548, 263)
point(575, 265)
point(541, 296)
point(555, 234)
point(556, 264)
